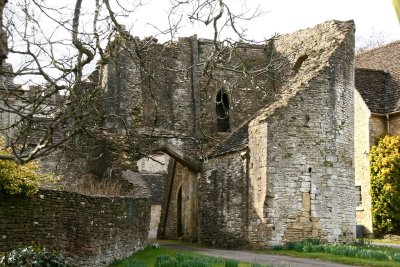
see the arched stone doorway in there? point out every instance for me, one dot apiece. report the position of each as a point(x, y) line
point(178, 218)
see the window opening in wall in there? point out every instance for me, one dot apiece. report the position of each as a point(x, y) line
point(358, 196)
point(299, 62)
point(179, 218)
point(222, 110)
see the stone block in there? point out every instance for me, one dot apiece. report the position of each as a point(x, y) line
point(304, 219)
point(306, 201)
point(298, 225)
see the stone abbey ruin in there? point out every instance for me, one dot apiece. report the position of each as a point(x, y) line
point(230, 159)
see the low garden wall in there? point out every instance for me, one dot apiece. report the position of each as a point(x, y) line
point(87, 230)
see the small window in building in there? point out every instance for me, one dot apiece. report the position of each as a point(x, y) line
point(358, 196)
point(299, 62)
point(222, 110)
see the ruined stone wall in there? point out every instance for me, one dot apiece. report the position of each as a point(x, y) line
point(151, 92)
point(298, 180)
point(164, 91)
point(180, 207)
point(223, 202)
point(89, 231)
point(310, 163)
point(149, 87)
point(361, 161)
point(246, 94)
point(260, 226)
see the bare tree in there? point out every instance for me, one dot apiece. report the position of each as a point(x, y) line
point(58, 46)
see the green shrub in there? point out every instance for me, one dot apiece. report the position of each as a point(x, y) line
point(291, 245)
point(396, 257)
point(298, 247)
point(185, 259)
point(231, 263)
point(20, 178)
point(278, 247)
point(32, 257)
point(356, 251)
point(372, 254)
point(385, 184)
point(165, 261)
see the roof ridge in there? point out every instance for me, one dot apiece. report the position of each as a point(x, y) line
point(378, 48)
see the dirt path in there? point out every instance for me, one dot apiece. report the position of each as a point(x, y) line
point(249, 256)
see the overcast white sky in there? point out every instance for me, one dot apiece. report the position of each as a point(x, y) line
point(373, 18)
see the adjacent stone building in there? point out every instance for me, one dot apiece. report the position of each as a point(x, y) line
point(377, 103)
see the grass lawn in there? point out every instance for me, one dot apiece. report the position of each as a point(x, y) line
point(371, 256)
point(362, 254)
point(149, 255)
point(335, 258)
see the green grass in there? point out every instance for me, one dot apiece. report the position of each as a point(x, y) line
point(148, 258)
point(361, 255)
point(335, 258)
point(370, 256)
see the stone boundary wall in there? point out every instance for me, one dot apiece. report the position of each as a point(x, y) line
point(87, 230)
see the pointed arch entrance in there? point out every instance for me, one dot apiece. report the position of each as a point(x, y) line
point(179, 208)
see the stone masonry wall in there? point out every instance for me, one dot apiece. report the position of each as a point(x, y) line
point(89, 231)
point(310, 163)
point(260, 226)
point(246, 94)
point(361, 161)
point(378, 128)
point(394, 124)
point(297, 180)
point(180, 218)
point(223, 201)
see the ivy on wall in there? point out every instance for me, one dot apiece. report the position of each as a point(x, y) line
point(385, 184)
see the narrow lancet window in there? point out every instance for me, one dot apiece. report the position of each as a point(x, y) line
point(222, 111)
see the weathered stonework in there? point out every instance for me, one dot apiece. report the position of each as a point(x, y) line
point(394, 124)
point(223, 202)
point(295, 179)
point(179, 217)
point(89, 231)
point(281, 167)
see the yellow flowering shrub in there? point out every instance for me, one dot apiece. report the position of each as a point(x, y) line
point(20, 178)
point(385, 184)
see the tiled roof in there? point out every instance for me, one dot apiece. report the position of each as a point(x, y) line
point(235, 142)
point(372, 86)
point(385, 58)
